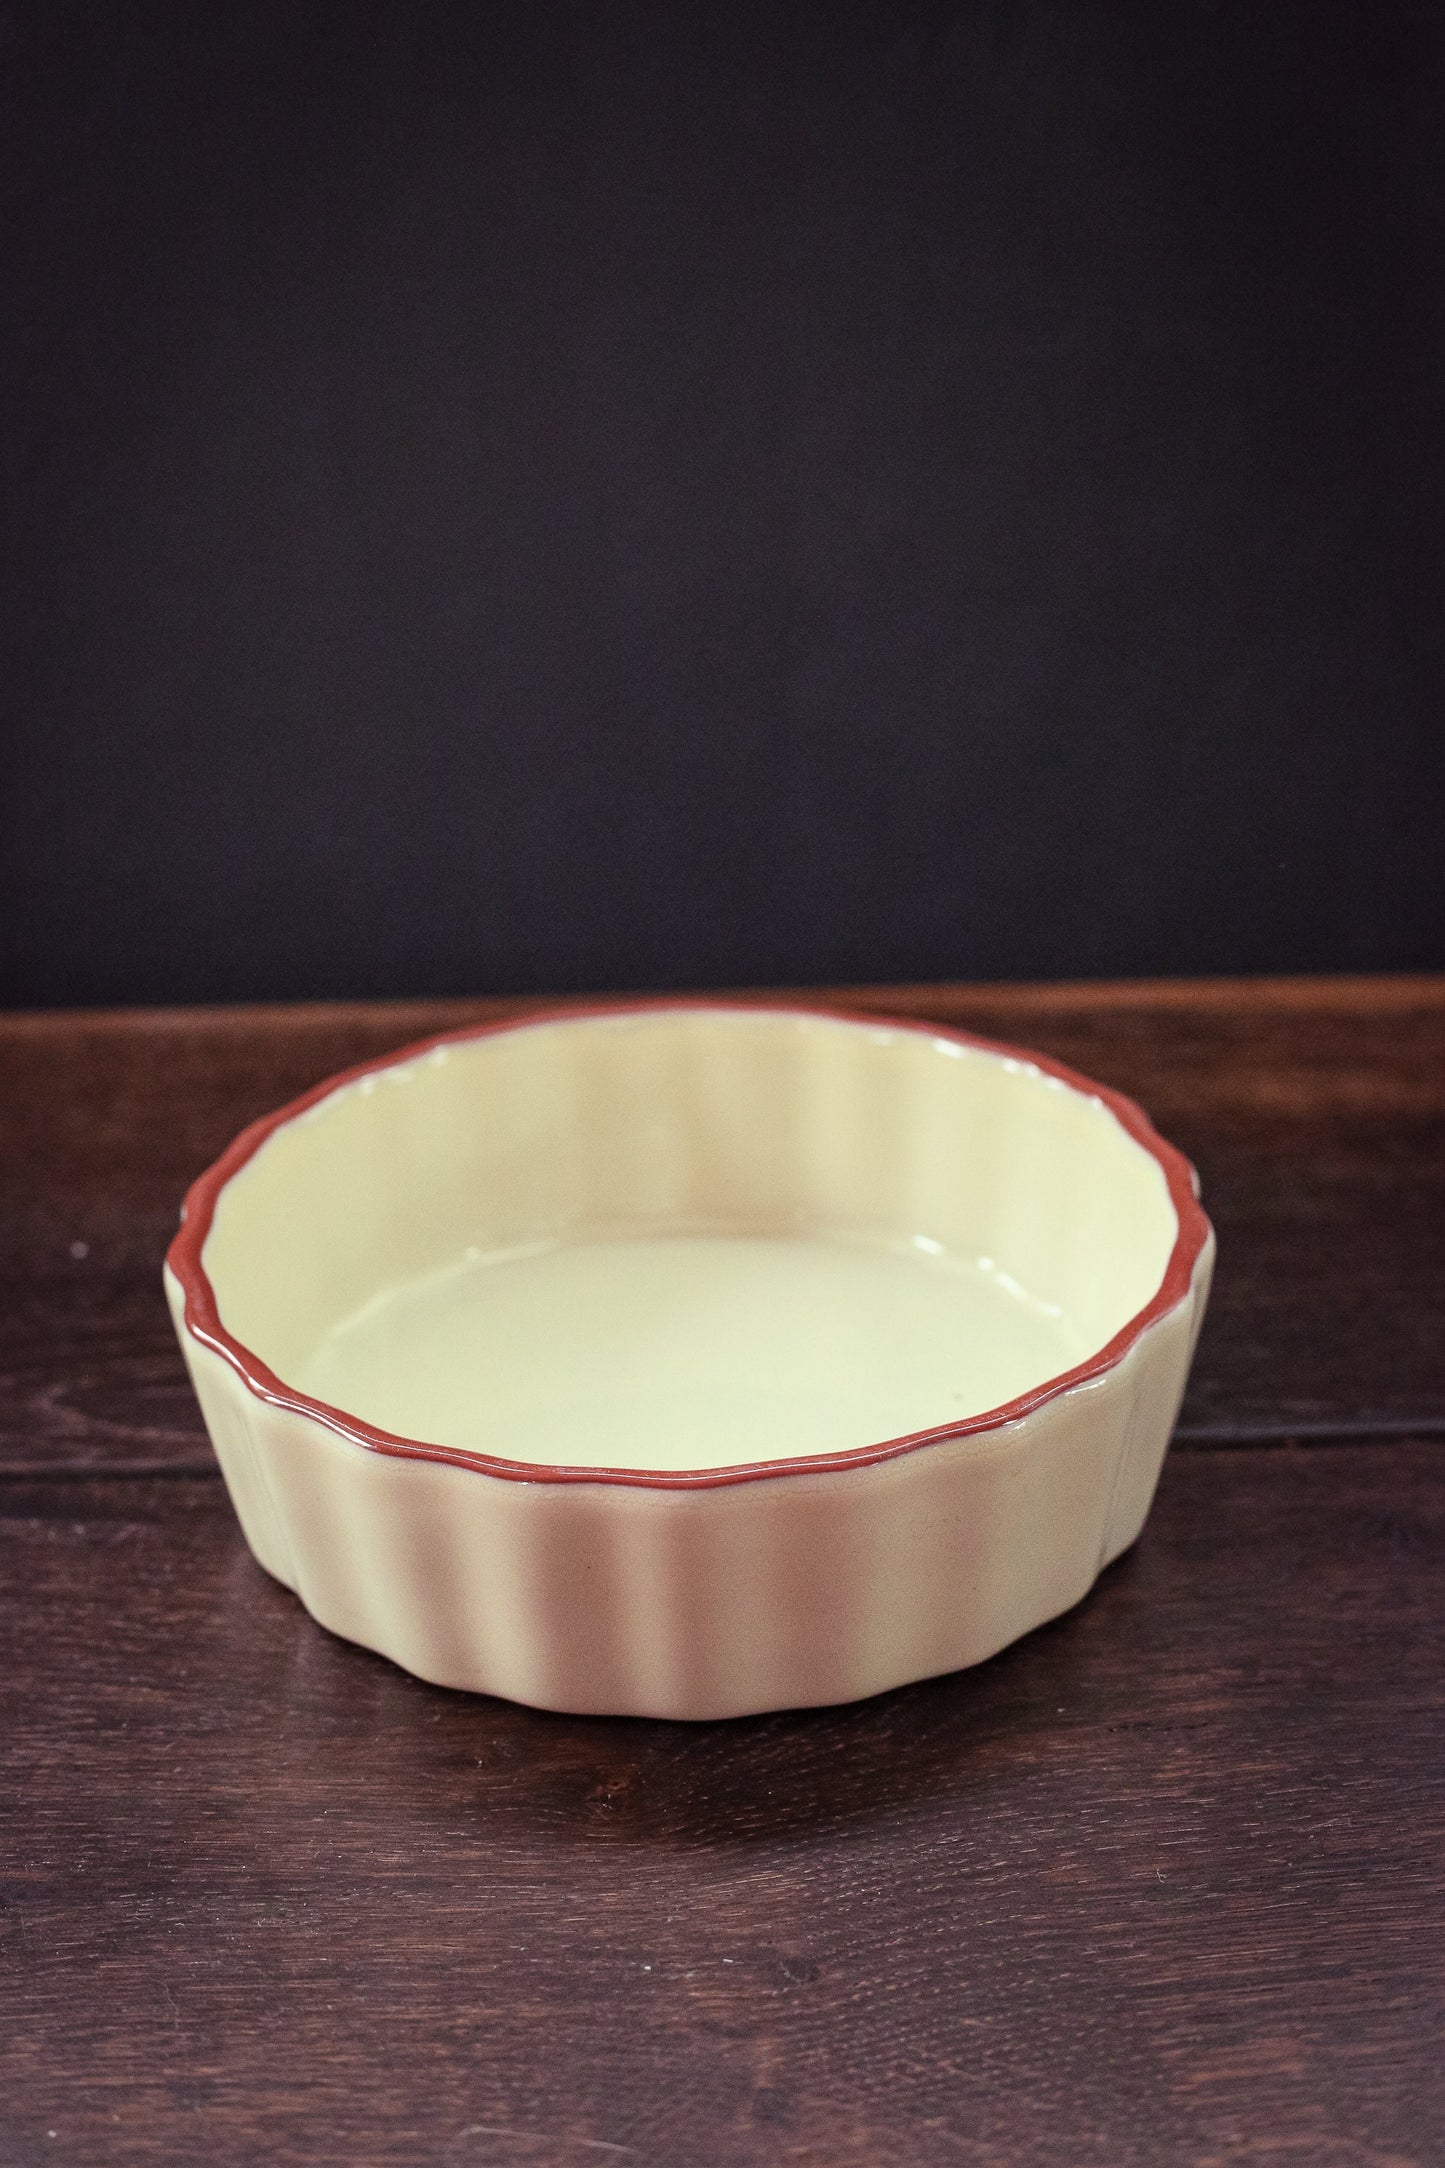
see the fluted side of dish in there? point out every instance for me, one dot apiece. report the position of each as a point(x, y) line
point(784, 1590)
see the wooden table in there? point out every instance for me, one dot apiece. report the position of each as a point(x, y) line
point(1162, 1883)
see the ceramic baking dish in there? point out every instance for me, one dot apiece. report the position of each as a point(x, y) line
point(691, 1359)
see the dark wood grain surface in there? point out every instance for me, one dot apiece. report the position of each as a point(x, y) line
point(1163, 1883)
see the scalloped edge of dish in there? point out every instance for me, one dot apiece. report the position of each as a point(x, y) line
point(202, 1319)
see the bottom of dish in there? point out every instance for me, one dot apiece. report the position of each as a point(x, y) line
point(689, 1351)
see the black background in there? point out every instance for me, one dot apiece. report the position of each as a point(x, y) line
point(518, 496)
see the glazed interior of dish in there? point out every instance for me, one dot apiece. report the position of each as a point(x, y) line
point(688, 1238)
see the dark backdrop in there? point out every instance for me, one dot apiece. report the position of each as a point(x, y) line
point(527, 496)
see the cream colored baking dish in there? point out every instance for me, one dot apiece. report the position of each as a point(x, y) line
point(688, 1359)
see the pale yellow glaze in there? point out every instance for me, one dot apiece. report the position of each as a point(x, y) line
point(730, 1236)
point(688, 1351)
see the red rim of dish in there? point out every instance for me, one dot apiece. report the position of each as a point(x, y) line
point(203, 1319)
